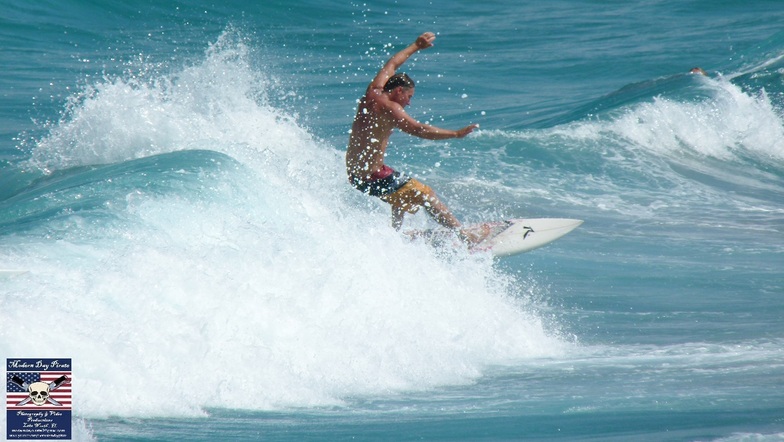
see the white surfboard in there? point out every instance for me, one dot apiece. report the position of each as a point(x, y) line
point(506, 238)
point(523, 235)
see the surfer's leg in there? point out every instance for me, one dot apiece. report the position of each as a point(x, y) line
point(440, 212)
point(413, 195)
point(397, 217)
point(475, 234)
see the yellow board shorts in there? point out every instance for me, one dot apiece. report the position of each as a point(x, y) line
point(404, 194)
point(410, 197)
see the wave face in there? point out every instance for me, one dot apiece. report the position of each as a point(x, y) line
point(172, 183)
point(179, 227)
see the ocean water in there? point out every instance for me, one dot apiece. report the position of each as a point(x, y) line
point(172, 181)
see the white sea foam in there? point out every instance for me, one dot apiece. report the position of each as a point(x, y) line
point(275, 286)
point(731, 123)
point(651, 158)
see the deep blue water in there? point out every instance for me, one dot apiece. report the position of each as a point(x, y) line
point(172, 181)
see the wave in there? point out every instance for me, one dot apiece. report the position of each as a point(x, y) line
point(186, 246)
point(686, 147)
point(40, 202)
point(205, 246)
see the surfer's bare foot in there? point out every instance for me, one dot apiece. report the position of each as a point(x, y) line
point(474, 235)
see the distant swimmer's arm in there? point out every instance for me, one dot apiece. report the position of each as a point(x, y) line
point(424, 41)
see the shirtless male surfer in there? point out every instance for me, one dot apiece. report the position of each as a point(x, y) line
point(380, 111)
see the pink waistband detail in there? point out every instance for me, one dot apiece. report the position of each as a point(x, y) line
point(383, 173)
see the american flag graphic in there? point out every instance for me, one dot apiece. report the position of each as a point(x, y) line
point(15, 394)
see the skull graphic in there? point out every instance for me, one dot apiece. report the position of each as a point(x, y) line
point(39, 392)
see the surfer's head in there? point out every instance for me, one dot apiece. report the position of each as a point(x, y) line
point(400, 88)
point(397, 80)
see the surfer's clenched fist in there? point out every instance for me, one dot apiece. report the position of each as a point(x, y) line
point(425, 40)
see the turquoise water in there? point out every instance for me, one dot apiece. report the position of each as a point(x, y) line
point(172, 180)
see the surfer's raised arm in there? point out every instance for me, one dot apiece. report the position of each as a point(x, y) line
point(387, 81)
point(424, 41)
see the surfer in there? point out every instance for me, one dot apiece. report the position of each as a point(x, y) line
point(380, 111)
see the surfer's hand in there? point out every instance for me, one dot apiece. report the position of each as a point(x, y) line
point(466, 130)
point(425, 40)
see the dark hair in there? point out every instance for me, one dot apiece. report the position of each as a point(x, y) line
point(398, 80)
